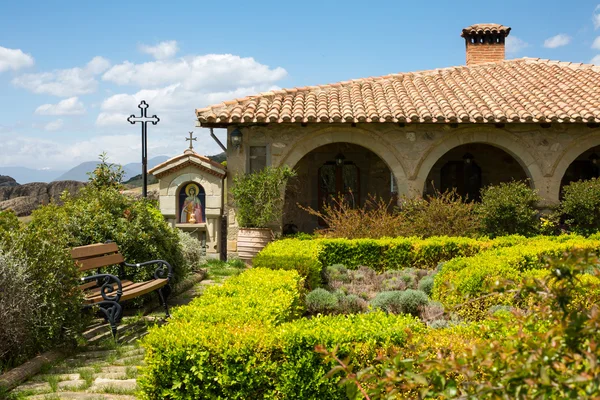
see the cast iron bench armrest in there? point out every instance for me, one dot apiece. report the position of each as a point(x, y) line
point(159, 273)
point(107, 287)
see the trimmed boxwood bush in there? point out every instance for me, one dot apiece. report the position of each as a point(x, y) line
point(465, 278)
point(310, 257)
point(240, 341)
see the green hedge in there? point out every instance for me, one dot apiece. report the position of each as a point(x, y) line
point(466, 278)
point(240, 341)
point(309, 257)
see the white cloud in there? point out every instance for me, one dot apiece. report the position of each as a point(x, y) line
point(515, 44)
point(596, 17)
point(65, 82)
point(206, 72)
point(14, 59)
point(70, 106)
point(54, 125)
point(161, 51)
point(596, 44)
point(557, 41)
point(595, 60)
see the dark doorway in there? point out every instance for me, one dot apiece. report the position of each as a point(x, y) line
point(339, 179)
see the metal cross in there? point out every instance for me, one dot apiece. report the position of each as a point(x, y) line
point(190, 139)
point(144, 119)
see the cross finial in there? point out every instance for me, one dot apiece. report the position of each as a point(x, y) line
point(191, 138)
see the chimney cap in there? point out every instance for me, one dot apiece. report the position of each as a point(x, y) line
point(485, 29)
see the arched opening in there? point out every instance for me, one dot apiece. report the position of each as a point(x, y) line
point(584, 167)
point(337, 169)
point(191, 205)
point(470, 167)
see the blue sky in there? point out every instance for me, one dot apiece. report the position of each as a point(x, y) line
point(71, 71)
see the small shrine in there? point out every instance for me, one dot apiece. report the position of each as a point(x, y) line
point(191, 196)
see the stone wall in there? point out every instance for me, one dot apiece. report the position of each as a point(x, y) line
point(411, 151)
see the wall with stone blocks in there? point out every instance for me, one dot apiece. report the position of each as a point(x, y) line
point(411, 151)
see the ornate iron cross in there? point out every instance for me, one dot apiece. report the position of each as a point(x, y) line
point(190, 139)
point(144, 119)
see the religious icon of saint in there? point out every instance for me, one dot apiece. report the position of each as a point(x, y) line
point(191, 212)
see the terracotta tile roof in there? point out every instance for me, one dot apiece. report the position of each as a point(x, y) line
point(479, 29)
point(513, 91)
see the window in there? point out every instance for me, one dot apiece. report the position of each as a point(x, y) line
point(258, 158)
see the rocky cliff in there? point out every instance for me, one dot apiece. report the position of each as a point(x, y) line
point(7, 181)
point(23, 199)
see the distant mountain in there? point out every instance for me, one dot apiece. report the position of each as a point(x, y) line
point(27, 175)
point(219, 157)
point(79, 173)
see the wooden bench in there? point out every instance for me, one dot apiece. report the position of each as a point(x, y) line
point(107, 291)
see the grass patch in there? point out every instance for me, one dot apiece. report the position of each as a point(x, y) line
point(131, 372)
point(218, 270)
point(53, 382)
point(110, 389)
point(88, 376)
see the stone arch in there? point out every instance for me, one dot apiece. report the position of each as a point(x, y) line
point(361, 137)
point(573, 151)
point(500, 138)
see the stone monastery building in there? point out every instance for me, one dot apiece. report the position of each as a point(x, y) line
point(489, 121)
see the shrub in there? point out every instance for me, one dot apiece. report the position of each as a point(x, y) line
point(388, 301)
point(426, 285)
point(320, 301)
point(240, 341)
point(98, 215)
point(257, 196)
point(509, 208)
point(309, 257)
point(190, 250)
point(8, 222)
point(550, 351)
point(445, 214)
point(375, 219)
point(412, 300)
point(350, 303)
point(470, 277)
point(17, 308)
point(47, 300)
point(293, 254)
point(580, 207)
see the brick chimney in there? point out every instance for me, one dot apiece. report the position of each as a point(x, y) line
point(485, 42)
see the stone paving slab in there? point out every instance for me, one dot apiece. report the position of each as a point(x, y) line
point(82, 396)
point(71, 384)
point(101, 384)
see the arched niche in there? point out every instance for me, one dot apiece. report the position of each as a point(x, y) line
point(191, 204)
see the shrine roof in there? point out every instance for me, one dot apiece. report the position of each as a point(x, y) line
point(525, 90)
point(189, 157)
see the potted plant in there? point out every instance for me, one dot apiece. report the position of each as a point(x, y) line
point(258, 199)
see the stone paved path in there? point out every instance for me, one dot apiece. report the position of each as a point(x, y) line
point(103, 369)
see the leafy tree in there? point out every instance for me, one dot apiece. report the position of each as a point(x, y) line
point(106, 175)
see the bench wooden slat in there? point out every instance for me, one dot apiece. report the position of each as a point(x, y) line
point(132, 291)
point(93, 250)
point(97, 262)
point(96, 290)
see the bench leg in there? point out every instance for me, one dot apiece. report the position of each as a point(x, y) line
point(163, 294)
point(112, 311)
